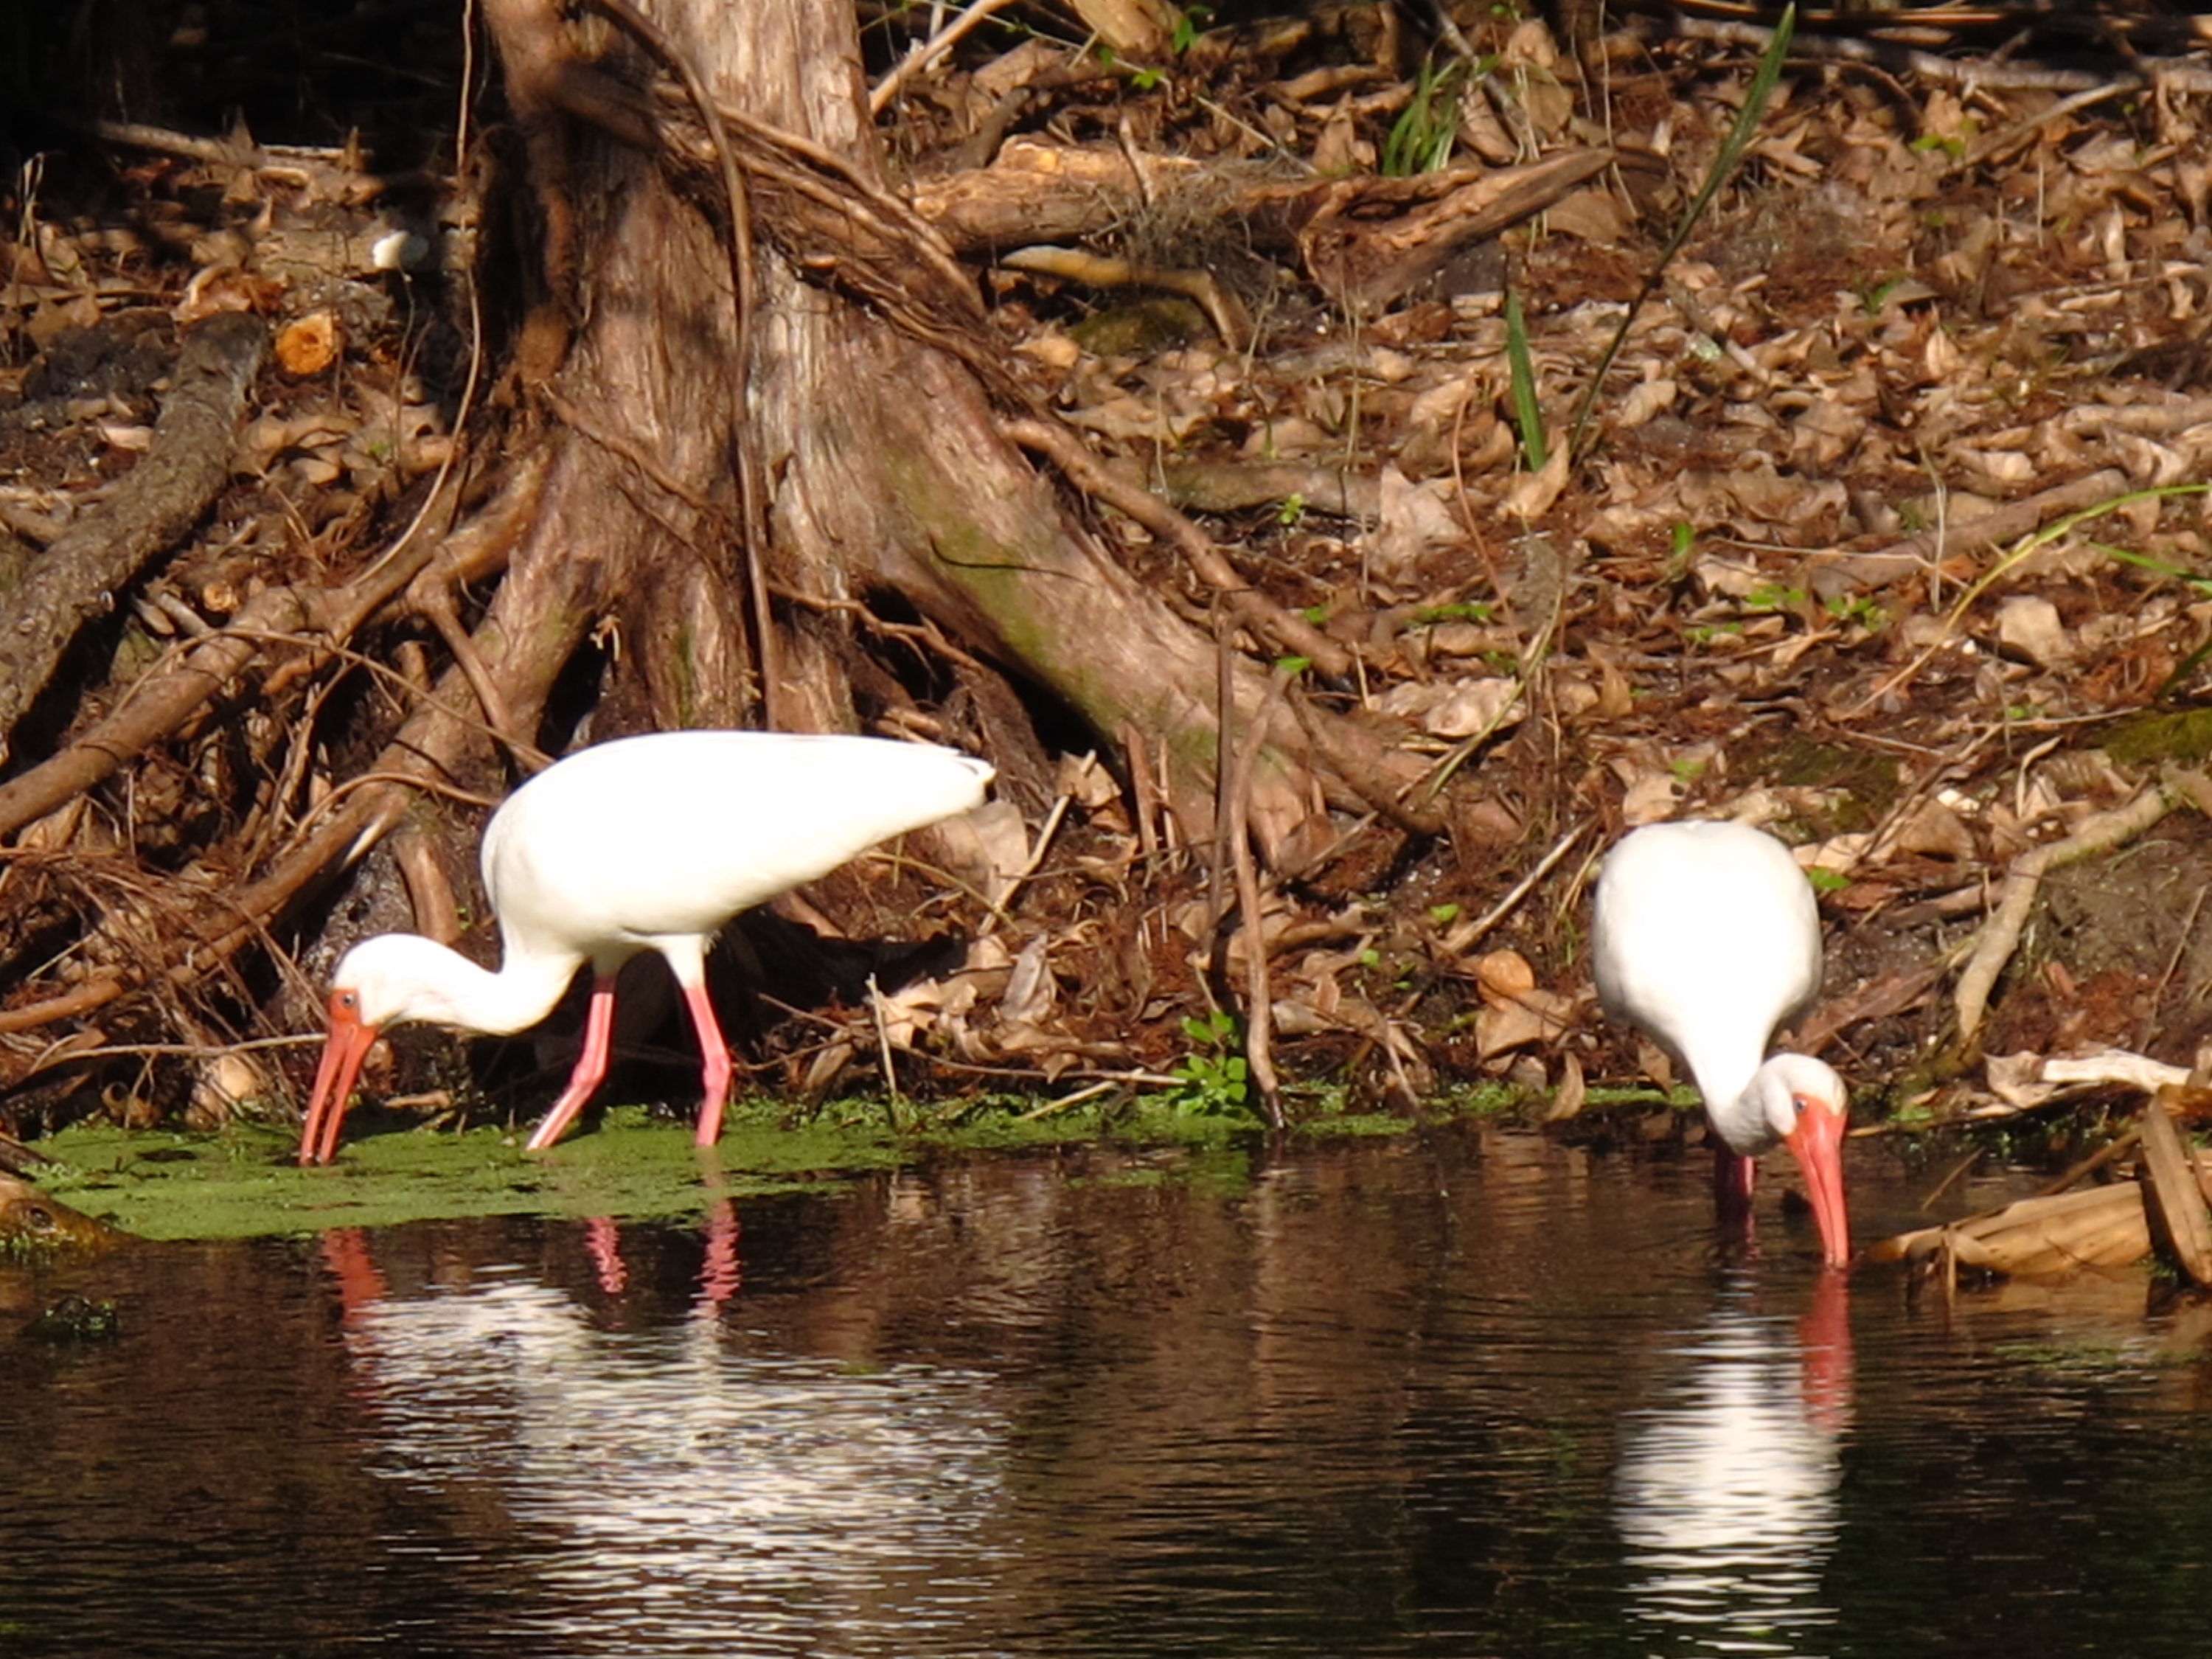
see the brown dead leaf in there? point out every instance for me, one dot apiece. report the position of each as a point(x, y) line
point(1533, 493)
point(1503, 975)
point(1595, 215)
point(1456, 708)
point(1531, 1017)
point(987, 848)
point(1416, 518)
point(1935, 830)
point(308, 345)
point(1567, 1099)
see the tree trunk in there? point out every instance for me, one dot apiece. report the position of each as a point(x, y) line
point(884, 466)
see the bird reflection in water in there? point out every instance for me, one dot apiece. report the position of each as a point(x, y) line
point(668, 1482)
point(721, 1273)
point(1725, 1493)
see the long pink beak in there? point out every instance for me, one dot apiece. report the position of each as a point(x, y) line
point(1818, 1143)
point(343, 1050)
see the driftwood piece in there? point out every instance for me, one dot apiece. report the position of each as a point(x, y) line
point(147, 512)
point(1841, 575)
point(2175, 1199)
point(1201, 486)
point(1979, 70)
point(2035, 1237)
point(1034, 192)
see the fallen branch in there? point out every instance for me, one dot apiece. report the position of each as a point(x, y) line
point(2180, 74)
point(1844, 573)
point(78, 577)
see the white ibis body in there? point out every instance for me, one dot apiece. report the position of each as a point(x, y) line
point(646, 844)
point(1708, 936)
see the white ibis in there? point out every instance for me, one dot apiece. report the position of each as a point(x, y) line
point(646, 844)
point(1708, 938)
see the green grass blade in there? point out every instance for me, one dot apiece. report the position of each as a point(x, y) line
point(1745, 125)
point(1527, 413)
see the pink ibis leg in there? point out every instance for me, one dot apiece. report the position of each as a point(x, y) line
point(714, 1066)
point(590, 1066)
point(1734, 1178)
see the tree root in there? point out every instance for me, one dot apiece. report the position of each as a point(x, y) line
point(1082, 468)
point(2000, 935)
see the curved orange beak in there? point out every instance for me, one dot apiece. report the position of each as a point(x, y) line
point(1817, 1144)
point(343, 1050)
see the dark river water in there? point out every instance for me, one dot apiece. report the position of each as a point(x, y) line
point(1470, 1393)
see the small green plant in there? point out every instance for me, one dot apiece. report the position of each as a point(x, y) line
point(1421, 137)
point(1874, 295)
point(1190, 23)
point(1211, 1080)
point(1772, 597)
point(1826, 880)
point(1292, 509)
point(1858, 610)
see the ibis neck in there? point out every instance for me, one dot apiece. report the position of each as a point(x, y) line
point(522, 992)
point(1724, 1072)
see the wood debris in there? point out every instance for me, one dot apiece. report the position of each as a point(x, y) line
point(2116, 1225)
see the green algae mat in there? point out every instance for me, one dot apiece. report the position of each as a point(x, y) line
point(244, 1183)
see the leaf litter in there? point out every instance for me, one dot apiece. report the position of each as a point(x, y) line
point(1887, 531)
